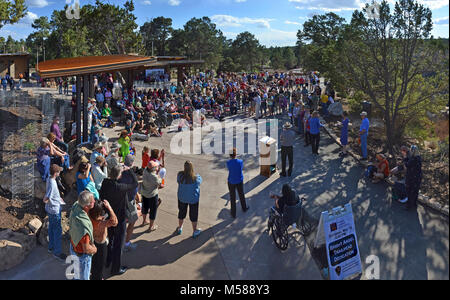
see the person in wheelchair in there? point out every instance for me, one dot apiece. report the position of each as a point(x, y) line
point(289, 197)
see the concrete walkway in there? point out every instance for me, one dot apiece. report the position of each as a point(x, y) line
point(409, 245)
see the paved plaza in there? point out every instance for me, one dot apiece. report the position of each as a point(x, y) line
point(409, 245)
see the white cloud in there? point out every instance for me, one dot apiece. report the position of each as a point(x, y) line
point(28, 19)
point(434, 4)
point(146, 2)
point(346, 5)
point(240, 1)
point(291, 23)
point(277, 38)
point(174, 2)
point(441, 21)
point(230, 21)
point(37, 3)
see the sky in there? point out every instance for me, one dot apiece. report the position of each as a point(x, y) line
point(273, 22)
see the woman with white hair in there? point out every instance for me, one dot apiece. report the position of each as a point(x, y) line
point(413, 177)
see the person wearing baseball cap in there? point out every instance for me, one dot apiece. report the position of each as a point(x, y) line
point(363, 133)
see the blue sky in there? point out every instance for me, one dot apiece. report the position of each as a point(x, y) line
point(273, 22)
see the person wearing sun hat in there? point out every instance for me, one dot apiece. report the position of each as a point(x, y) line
point(113, 156)
point(287, 139)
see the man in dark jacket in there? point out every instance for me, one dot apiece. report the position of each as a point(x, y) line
point(117, 195)
point(413, 177)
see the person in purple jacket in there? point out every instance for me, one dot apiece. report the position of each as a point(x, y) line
point(59, 142)
point(236, 181)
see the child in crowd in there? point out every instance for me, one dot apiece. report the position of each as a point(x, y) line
point(53, 202)
point(145, 158)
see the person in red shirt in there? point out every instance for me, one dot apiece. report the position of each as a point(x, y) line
point(145, 157)
point(382, 169)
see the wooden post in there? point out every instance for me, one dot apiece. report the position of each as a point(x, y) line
point(78, 118)
point(85, 107)
point(91, 86)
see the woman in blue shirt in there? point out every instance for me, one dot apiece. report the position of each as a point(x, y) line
point(188, 195)
point(83, 177)
point(236, 180)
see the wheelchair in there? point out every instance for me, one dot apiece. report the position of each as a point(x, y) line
point(278, 224)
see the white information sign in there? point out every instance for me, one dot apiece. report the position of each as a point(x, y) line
point(341, 242)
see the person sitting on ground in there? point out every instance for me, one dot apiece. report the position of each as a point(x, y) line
point(59, 157)
point(43, 154)
point(59, 142)
point(99, 171)
point(139, 124)
point(98, 151)
point(382, 169)
point(130, 127)
point(289, 197)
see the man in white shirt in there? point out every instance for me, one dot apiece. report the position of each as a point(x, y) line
point(99, 171)
point(257, 100)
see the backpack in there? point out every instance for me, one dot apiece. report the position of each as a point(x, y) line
point(369, 172)
point(399, 191)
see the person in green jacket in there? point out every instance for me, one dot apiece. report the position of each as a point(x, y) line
point(81, 235)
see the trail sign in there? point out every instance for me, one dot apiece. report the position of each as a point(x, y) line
point(337, 232)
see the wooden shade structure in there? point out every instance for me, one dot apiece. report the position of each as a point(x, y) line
point(84, 68)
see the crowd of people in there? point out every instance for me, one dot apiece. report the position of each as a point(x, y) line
point(110, 198)
point(8, 80)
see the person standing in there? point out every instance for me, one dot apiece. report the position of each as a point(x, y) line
point(236, 181)
point(100, 232)
point(306, 126)
point(53, 202)
point(117, 195)
point(188, 196)
point(81, 234)
point(344, 134)
point(413, 178)
point(315, 126)
point(132, 213)
point(287, 139)
point(151, 183)
point(363, 134)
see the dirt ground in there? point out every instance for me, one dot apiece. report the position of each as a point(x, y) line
point(435, 182)
point(12, 214)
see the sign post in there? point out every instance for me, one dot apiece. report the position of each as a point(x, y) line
point(337, 232)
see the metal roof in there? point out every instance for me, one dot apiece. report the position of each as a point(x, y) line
point(98, 64)
point(91, 65)
point(15, 54)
